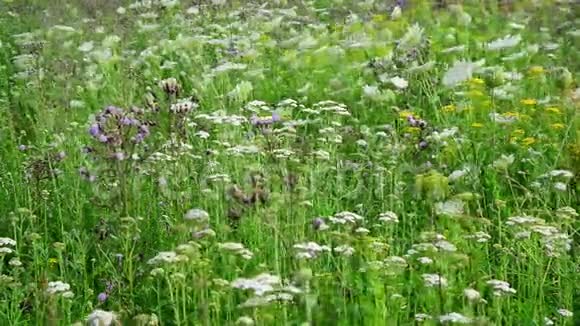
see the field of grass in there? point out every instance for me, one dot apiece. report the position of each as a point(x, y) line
point(286, 162)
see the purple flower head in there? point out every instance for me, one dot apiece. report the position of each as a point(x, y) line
point(110, 286)
point(113, 110)
point(317, 223)
point(119, 156)
point(102, 138)
point(138, 138)
point(265, 121)
point(95, 130)
point(102, 297)
point(126, 121)
point(22, 148)
point(423, 144)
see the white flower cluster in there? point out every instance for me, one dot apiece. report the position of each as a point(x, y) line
point(346, 218)
point(59, 288)
point(5, 244)
point(237, 249)
point(500, 288)
point(309, 250)
point(389, 217)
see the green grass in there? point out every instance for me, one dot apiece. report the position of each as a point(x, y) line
point(481, 174)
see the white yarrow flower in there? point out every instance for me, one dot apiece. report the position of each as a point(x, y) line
point(101, 318)
point(504, 43)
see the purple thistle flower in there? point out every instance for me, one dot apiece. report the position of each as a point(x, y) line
point(318, 223)
point(102, 138)
point(113, 110)
point(95, 130)
point(102, 297)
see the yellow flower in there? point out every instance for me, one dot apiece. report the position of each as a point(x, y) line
point(406, 114)
point(518, 132)
point(536, 70)
point(528, 141)
point(528, 101)
point(412, 130)
point(557, 126)
point(510, 114)
point(477, 81)
point(475, 93)
point(553, 109)
point(448, 108)
point(477, 125)
point(52, 261)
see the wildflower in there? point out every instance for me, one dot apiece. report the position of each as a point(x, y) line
point(501, 288)
point(15, 262)
point(564, 174)
point(529, 101)
point(553, 109)
point(166, 257)
point(425, 260)
point(344, 250)
point(503, 118)
point(448, 108)
point(536, 70)
point(503, 43)
point(309, 250)
point(422, 317)
point(459, 72)
point(245, 321)
point(196, 214)
point(472, 295)
point(183, 106)
point(528, 141)
point(170, 86)
point(503, 162)
point(237, 248)
point(560, 186)
point(455, 317)
point(566, 212)
point(265, 121)
point(458, 174)
point(565, 313)
point(4, 242)
point(101, 318)
point(434, 280)
point(102, 297)
point(524, 220)
point(395, 261)
point(399, 82)
point(260, 284)
point(557, 126)
point(479, 236)
point(445, 245)
point(453, 207)
point(346, 217)
point(389, 217)
point(361, 230)
point(548, 321)
point(57, 287)
point(412, 38)
point(319, 224)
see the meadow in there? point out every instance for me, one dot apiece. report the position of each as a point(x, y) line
point(289, 162)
